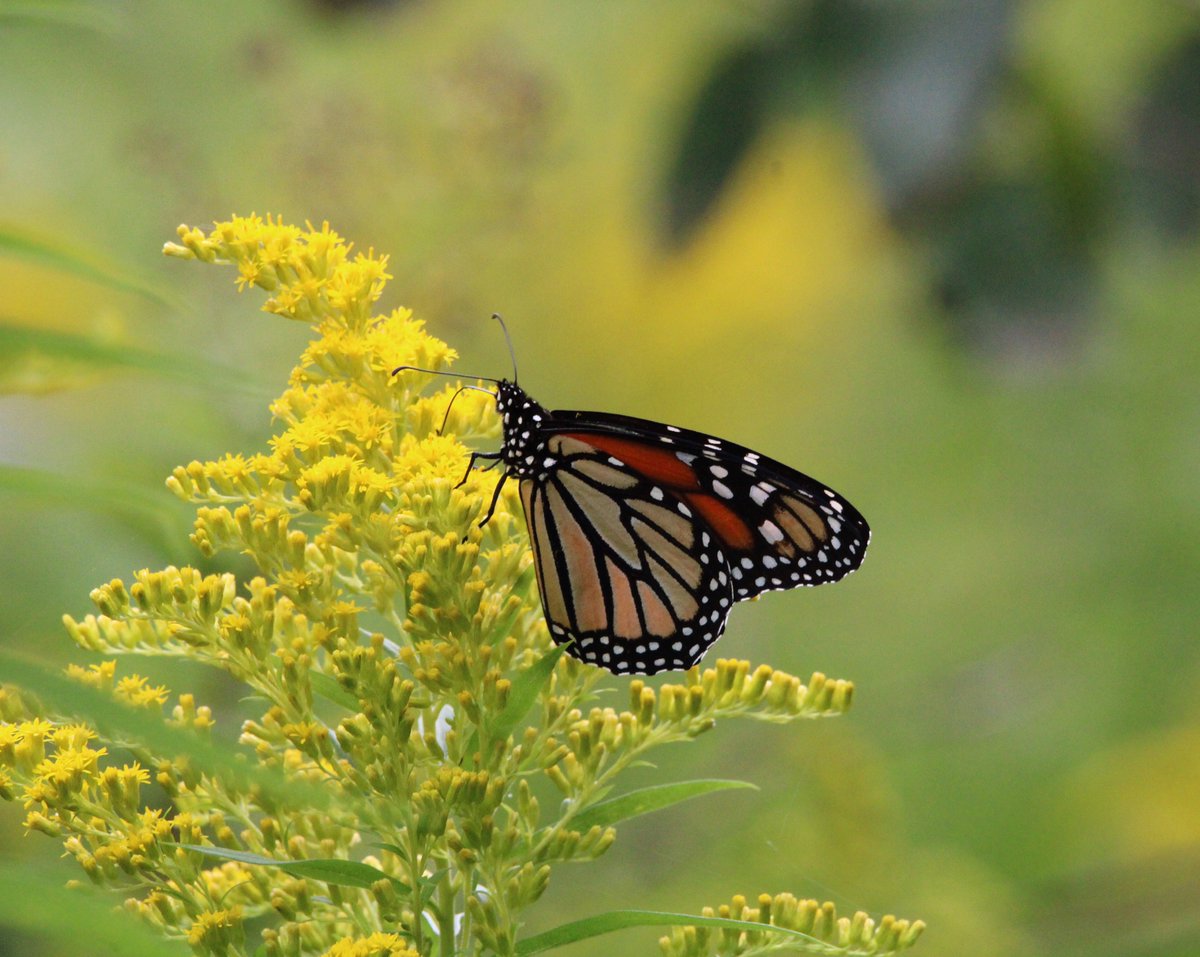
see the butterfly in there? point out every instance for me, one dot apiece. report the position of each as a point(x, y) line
point(645, 535)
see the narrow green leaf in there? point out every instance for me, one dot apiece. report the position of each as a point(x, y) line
point(328, 688)
point(63, 13)
point(56, 255)
point(159, 517)
point(329, 870)
point(36, 902)
point(394, 848)
point(645, 800)
point(40, 361)
point(524, 692)
point(429, 884)
point(621, 919)
point(124, 725)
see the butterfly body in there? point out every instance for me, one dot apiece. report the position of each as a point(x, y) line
point(524, 421)
point(644, 535)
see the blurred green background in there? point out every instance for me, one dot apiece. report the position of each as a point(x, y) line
point(942, 255)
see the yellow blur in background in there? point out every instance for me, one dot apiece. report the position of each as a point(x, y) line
point(942, 256)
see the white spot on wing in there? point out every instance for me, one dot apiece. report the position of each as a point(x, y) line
point(770, 531)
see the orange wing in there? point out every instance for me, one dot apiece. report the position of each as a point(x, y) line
point(627, 572)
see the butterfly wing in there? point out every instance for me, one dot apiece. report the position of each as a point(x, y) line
point(626, 572)
point(778, 528)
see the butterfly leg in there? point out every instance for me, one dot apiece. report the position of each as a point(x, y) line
point(495, 498)
point(475, 457)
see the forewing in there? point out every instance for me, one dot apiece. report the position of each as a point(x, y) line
point(626, 572)
point(778, 527)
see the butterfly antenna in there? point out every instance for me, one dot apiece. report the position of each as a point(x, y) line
point(450, 404)
point(508, 339)
point(456, 375)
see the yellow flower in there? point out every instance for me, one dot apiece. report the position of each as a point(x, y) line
point(398, 339)
point(310, 271)
point(136, 690)
point(72, 736)
point(122, 788)
point(38, 728)
point(215, 930)
point(377, 945)
point(305, 732)
point(249, 272)
point(152, 818)
point(383, 635)
point(10, 736)
point(98, 676)
point(67, 772)
point(230, 876)
point(29, 743)
point(436, 456)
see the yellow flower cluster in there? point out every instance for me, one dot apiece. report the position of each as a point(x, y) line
point(216, 931)
point(818, 922)
point(376, 945)
point(309, 271)
point(356, 518)
point(400, 686)
point(66, 785)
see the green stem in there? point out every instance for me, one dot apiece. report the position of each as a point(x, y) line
point(415, 869)
point(467, 877)
point(583, 800)
point(446, 901)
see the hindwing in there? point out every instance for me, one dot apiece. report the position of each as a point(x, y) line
point(627, 573)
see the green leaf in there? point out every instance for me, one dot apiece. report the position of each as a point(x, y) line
point(328, 870)
point(645, 800)
point(394, 848)
point(429, 884)
point(81, 14)
point(159, 517)
point(124, 726)
point(35, 902)
point(328, 688)
point(621, 919)
point(524, 692)
point(63, 258)
point(39, 361)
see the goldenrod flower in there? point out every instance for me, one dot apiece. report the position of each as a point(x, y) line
point(376, 945)
point(395, 660)
point(216, 931)
point(136, 690)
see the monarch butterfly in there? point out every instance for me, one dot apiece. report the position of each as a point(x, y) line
point(644, 535)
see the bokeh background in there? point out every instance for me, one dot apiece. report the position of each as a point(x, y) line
point(941, 254)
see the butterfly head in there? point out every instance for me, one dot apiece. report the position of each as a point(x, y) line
point(524, 420)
